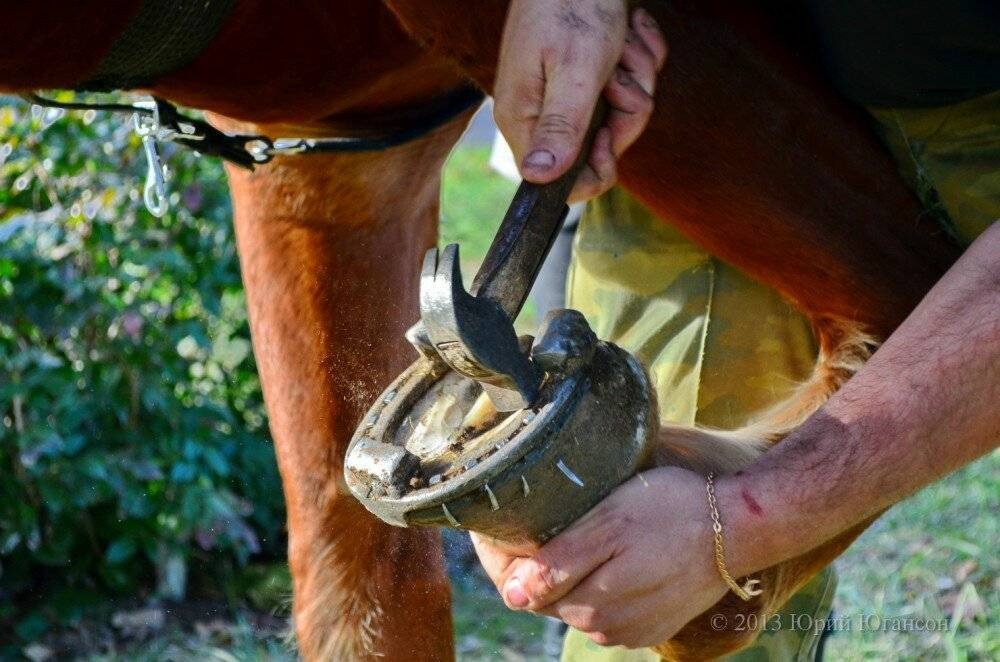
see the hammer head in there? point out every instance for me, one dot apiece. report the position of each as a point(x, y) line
point(473, 334)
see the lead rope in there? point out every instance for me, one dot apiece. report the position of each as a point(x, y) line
point(158, 121)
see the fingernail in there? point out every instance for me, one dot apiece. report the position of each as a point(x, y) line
point(540, 159)
point(646, 19)
point(515, 595)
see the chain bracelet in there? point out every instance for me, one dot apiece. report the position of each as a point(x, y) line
point(750, 587)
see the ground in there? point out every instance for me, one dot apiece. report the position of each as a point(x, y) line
point(932, 557)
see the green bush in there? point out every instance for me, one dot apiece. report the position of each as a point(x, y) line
point(132, 431)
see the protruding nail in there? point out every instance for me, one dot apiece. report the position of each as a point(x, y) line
point(448, 516)
point(494, 504)
point(540, 159)
point(569, 473)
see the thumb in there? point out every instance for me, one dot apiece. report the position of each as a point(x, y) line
point(561, 126)
point(497, 561)
point(562, 563)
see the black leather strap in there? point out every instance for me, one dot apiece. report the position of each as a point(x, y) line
point(248, 151)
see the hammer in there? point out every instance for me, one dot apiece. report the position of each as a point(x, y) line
point(473, 332)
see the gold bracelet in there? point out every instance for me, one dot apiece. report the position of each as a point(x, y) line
point(749, 588)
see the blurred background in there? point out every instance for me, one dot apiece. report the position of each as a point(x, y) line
point(141, 514)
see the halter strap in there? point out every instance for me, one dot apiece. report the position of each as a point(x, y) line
point(249, 150)
point(158, 121)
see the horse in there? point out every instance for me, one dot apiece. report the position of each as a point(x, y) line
point(749, 153)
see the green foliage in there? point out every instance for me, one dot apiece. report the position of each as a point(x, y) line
point(132, 430)
point(473, 200)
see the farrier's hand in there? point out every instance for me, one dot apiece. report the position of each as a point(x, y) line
point(631, 572)
point(556, 58)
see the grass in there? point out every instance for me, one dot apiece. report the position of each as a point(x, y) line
point(473, 200)
point(219, 641)
point(486, 630)
point(933, 556)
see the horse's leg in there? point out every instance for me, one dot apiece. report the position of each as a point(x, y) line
point(330, 248)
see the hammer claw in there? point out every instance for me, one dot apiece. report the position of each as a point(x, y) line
point(429, 268)
point(474, 335)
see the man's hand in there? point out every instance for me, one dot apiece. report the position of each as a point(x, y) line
point(556, 59)
point(632, 572)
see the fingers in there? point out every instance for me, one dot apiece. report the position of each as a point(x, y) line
point(601, 171)
point(562, 124)
point(557, 136)
point(639, 61)
point(497, 563)
point(564, 561)
point(607, 621)
point(631, 108)
point(645, 26)
point(554, 63)
point(630, 91)
point(630, 95)
point(610, 616)
point(555, 60)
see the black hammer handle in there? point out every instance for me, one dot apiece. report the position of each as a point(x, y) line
point(529, 227)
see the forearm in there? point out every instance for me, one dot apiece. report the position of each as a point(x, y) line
point(926, 403)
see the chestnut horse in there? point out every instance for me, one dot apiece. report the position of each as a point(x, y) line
point(748, 153)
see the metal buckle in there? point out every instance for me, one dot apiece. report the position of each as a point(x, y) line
point(287, 146)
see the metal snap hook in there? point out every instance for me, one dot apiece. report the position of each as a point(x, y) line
point(154, 193)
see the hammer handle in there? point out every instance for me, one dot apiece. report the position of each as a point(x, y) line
point(529, 227)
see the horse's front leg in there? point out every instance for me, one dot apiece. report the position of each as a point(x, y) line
point(330, 248)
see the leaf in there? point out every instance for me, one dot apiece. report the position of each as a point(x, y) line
point(109, 416)
point(31, 627)
point(230, 352)
point(183, 472)
point(216, 460)
point(120, 550)
point(188, 348)
point(70, 604)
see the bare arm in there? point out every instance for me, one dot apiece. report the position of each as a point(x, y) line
point(638, 566)
point(927, 403)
